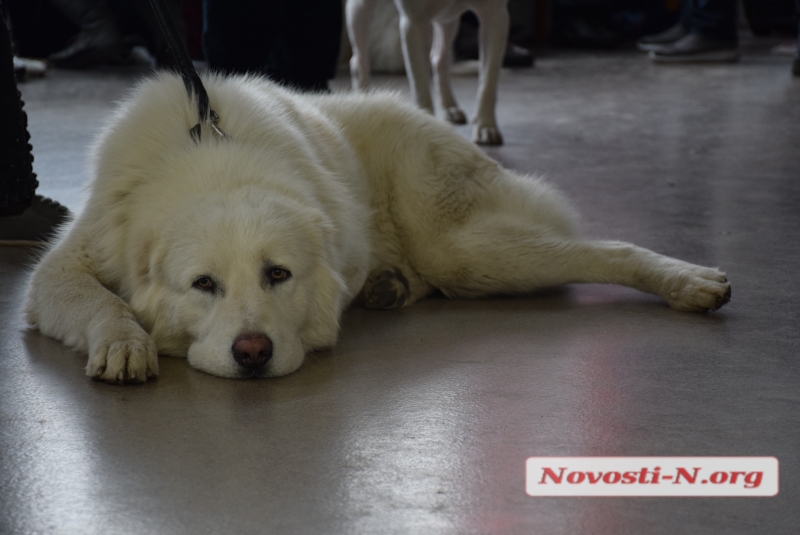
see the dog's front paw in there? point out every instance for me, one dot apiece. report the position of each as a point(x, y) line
point(698, 289)
point(126, 356)
point(455, 115)
point(487, 135)
point(387, 289)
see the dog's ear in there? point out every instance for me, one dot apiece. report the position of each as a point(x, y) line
point(147, 296)
point(322, 324)
point(327, 299)
point(154, 303)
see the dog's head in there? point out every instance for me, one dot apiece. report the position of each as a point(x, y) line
point(239, 282)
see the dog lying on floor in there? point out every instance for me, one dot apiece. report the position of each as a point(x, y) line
point(428, 29)
point(241, 253)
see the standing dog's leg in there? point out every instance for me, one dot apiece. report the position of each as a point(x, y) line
point(359, 15)
point(68, 302)
point(501, 254)
point(417, 35)
point(441, 58)
point(493, 15)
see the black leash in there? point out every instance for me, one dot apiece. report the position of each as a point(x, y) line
point(180, 55)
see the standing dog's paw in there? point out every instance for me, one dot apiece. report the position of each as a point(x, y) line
point(455, 115)
point(388, 289)
point(487, 135)
point(129, 357)
point(698, 289)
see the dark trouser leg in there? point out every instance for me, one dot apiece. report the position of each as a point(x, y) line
point(714, 18)
point(295, 42)
point(238, 35)
point(307, 46)
point(796, 62)
point(797, 12)
point(17, 180)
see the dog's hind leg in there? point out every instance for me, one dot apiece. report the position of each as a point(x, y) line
point(441, 58)
point(498, 254)
point(393, 287)
point(494, 20)
point(359, 16)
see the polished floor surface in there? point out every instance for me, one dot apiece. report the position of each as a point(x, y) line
point(420, 420)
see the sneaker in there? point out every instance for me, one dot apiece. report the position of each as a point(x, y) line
point(696, 48)
point(36, 225)
point(660, 40)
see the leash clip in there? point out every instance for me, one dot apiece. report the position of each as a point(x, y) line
point(213, 118)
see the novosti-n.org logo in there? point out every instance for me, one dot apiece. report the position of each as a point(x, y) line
point(651, 476)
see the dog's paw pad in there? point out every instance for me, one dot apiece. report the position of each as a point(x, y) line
point(388, 289)
point(487, 135)
point(455, 115)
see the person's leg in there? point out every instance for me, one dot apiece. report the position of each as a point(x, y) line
point(24, 216)
point(712, 36)
point(670, 35)
point(307, 47)
point(238, 35)
point(715, 19)
point(17, 179)
point(796, 62)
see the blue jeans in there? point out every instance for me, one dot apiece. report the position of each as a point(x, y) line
point(711, 18)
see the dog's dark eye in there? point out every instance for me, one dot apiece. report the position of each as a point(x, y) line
point(278, 274)
point(205, 284)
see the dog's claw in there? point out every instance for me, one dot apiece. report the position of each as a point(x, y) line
point(487, 135)
point(454, 115)
point(724, 298)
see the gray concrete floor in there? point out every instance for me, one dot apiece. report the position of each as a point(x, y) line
point(420, 420)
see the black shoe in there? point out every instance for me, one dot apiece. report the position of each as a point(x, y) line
point(660, 40)
point(796, 66)
point(696, 48)
point(36, 225)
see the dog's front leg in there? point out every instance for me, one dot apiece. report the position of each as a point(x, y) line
point(359, 15)
point(493, 15)
point(417, 37)
point(68, 302)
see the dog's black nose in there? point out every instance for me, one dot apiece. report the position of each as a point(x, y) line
point(252, 350)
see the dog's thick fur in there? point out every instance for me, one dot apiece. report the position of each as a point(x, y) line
point(357, 197)
point(428, 29)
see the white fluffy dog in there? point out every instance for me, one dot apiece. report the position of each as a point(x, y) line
point(428, 29)
point(241, 253)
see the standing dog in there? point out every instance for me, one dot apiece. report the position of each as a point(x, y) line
point(241, 253)
point(428, 28)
